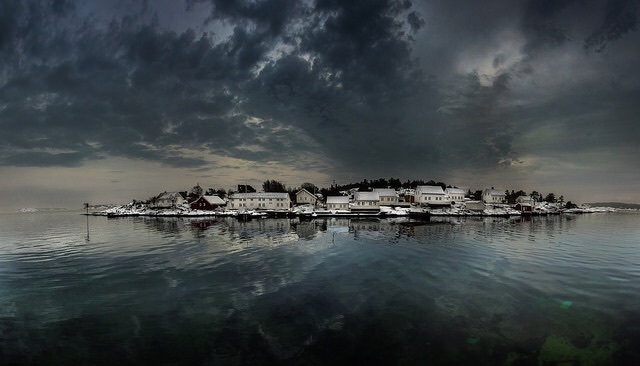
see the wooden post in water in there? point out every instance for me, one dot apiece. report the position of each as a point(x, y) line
point(86, 207)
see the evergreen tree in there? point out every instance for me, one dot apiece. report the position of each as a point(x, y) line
point(245, 188)
point(551, 198)
point(273, 186)
point(309, 187)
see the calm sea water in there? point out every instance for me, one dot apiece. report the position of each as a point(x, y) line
point(558, 290)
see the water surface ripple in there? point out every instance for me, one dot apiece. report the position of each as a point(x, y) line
point(542, 290)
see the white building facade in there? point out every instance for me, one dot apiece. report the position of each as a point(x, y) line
point(369, 201)
point(388, 196)
point(259, 201)
point(454, 195)
point(491, 195)
point(304, 197)
point(430, 195)
point(335, 203)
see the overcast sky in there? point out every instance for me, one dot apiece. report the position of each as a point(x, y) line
point(107, 101)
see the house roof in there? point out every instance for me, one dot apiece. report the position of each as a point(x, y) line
point(366, 196)
point(337, 199)
point(455, 191)
point(386, 192)
point(214, 200)
point(429, 190)
point(303, 190)
point(169, 195)
point(494, 192)
point(261, 195)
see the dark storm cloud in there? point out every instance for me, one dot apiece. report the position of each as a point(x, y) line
point(135, 89)
point(270, 16)
point(367, 83)
point(522, 95)
point(620, 18)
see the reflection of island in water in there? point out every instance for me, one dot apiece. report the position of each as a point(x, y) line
point(284, 230)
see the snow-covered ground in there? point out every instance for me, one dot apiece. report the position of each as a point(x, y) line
point(458, 209)
point(143, 210)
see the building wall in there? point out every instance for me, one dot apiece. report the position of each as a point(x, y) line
point(455, 196)
point(304, 197)
point(432, 199)
point(170, 202)
point(366, 205)
point(337, 206)
point(489, 197)
point(259, 201)
point(388, 201)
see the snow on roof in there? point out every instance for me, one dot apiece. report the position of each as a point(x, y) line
point(261, 195)
point(494, 192)
point(366, 196)
point(429, 190)
point(337, 199)
point(214, 200)
point(304, 190)
point(386, 192)
point(169, 195)
point(455, 191)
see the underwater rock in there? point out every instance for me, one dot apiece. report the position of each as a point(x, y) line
point(559, 350)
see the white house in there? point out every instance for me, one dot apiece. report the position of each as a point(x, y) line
point(491, 195)
point(169, 199)
point(388, 196)
point(366, 201)
point(525, 199)
point(304, 197)
point(430, 195)
point(259, 201)
point(337, 203)
point(454, 195)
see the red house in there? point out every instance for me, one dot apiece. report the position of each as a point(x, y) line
point(207, 203)
point(524, 208)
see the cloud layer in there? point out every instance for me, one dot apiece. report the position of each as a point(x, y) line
point(348, 88)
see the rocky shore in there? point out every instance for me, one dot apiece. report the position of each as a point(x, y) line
point(138, 209)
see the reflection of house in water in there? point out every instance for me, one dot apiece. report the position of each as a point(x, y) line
point(202, 223)
point(169, 225)
point(372, 228)
point(263, 232)
point(306, 229)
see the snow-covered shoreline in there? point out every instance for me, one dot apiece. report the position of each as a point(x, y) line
point(458, 210)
